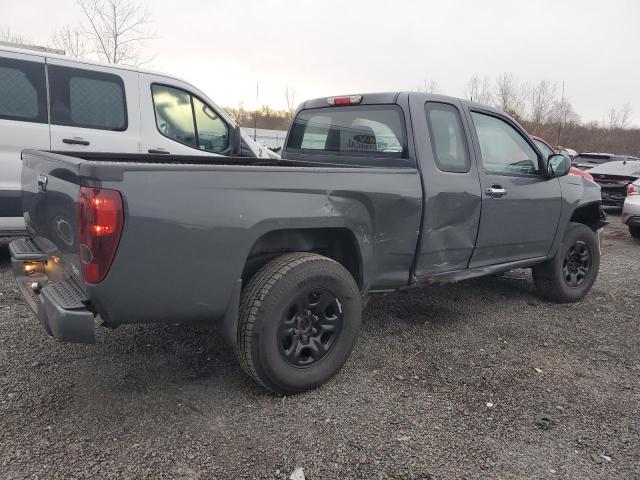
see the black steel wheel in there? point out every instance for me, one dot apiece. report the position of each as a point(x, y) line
point(310, 327)
point(299, 319)
point(570, 274)
point(576, 264)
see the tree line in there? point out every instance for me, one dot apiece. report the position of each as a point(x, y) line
point(541, 108)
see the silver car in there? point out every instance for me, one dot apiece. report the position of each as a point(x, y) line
point(631, 209)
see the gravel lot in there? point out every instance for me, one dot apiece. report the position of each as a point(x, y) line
point(442, 384)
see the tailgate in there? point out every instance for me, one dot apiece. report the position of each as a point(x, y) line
point(50, 190)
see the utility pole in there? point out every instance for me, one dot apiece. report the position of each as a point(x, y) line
point(255, 113)
point(562, 114)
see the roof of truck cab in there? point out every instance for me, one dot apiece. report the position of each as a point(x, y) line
point(85, 61)
point(392, 97)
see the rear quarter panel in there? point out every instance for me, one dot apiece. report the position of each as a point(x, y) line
point(189, 229)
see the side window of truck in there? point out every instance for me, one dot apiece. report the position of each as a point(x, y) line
point(23, 93)
point(87, 99)
point(448, 142)
point(504, 151)
point(186, 119)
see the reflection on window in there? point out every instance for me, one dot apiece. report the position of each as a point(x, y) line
point(546, 151)
point(186, 119)
point(503, 149)
point(360, 130)
point(212, 131)
point(447, 137)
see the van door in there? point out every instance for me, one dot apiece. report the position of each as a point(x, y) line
point(93, 108)
point(178, 119)
point(23, 124)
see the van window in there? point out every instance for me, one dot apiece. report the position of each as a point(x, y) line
point(87, 99)
point(186, 119)
point(364, 130)
point(23, 91)
point(448, 142)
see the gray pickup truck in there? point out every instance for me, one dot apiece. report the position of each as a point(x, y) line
point(373, 193)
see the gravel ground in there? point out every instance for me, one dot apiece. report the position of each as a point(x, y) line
point(445, 382)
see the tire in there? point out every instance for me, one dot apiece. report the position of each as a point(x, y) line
point(570, 274)
point(635, 232)
point(299, 319)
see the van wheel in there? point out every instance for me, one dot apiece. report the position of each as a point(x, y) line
point(299, 319)
point(569, 275)
point(635, 232)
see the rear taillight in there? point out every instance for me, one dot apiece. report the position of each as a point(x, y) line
point(100, 221)
point(633, 189)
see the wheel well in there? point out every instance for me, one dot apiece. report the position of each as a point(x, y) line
point(338, 244)
point(588, 215)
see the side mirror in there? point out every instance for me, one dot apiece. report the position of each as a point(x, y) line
point(558, 165)
point(236, 141)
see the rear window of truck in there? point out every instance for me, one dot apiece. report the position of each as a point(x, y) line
point(363, 130)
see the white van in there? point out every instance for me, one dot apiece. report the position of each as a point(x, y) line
point(52, 102)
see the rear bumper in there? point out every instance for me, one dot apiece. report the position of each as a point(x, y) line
point(61, 307)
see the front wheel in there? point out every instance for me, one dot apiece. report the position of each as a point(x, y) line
point(299, 319)
point(569, 275)
point(635, 232)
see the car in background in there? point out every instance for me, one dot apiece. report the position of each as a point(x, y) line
point(569, 152)
point(548, 150)
point(614, 179)
point(586, 161)
point(631, 209)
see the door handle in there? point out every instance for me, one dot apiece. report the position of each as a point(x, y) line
point(75, 141)
point(495, 191)
point(160, 151)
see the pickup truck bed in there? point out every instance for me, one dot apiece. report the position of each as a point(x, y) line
point(190, 226)
point(281, 252)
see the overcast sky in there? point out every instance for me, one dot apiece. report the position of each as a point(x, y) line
point(331, 47)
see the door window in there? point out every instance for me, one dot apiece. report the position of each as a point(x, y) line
point(22, 91)
point(186, 119)
point(448, 142)
point(87, 99)
point(504, 151)
point(546, 151)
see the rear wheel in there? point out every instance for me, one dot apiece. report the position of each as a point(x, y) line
point(569, 275)
point(299, 319)
point(635, 232)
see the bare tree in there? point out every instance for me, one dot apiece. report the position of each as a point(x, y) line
point(510, 95)
point(478, 89)
point(620, 118)
point(541, 99)
point(8, 35)
point(117, 29)
point(428, 86)
point(290, 97)
point(72, 40)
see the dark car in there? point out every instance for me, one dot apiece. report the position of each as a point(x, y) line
point(586, 161)
point(614, 179)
